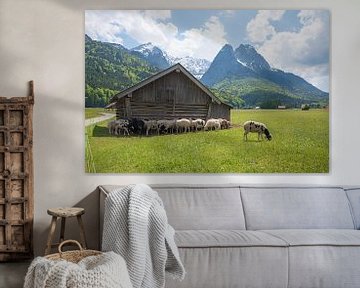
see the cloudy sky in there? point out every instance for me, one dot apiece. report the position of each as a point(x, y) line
point(295, 41)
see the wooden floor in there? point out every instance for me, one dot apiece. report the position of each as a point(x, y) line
point(12, 274)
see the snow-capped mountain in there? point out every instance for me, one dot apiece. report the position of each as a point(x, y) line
point(161, 59)
point(248, 57)
point(195, 66)
point(225, 65)
point(233, 66)
point(154, 55)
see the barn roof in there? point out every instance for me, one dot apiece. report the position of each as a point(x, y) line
point(162, 73)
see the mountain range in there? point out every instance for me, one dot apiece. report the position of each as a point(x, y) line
point(245, 73)
point(159, 58)
point(241, 77)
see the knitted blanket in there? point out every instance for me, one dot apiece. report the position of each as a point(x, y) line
point(103, 271)
point(136, 227)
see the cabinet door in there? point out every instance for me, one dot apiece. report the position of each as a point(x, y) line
point(16, 203)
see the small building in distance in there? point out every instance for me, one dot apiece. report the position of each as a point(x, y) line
point(305, 106)
point(171, 93)
point(281, 107)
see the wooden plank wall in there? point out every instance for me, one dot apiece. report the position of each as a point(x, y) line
point(220, 111)
point(169, 97)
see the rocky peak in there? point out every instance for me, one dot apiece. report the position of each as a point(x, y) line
point(250, 58)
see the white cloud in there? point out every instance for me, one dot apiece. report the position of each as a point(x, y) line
point(98, 29)
point(155, 26)
point(204, 42)
point(304, 52)
point(259, 28)
point(141, 25)
point(319, 76)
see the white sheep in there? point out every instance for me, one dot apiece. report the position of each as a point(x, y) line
point(150, 125)
point(122, 126)
point(111, 126)
point(198, 124)
point(116, 126)
point(183, 125)
point(256, 127)
point(225, 124)
point(212, 124)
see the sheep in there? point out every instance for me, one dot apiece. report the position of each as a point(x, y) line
point(225, 124)
point(122, 126)
point(136, 126)
point(111, 126)
point(166, 126)
point(150, 125)
point(198, 124)
point(256, 127)
point(183, 125)
point(116, 126)
point(212, 124)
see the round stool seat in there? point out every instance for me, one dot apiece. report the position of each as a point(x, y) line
point(66, 211)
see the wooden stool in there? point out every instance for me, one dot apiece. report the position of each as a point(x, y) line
point(64, 213)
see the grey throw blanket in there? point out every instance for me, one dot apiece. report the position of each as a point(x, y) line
point(136, 227)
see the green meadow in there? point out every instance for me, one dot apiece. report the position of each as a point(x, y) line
point(300, 144)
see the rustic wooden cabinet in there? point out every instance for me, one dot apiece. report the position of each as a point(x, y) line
point(16, 177)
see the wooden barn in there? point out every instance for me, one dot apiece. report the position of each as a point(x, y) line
point(171, 93)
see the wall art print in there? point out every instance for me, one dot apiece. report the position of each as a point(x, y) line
point(207, 91)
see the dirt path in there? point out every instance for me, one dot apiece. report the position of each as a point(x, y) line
point(105, 116)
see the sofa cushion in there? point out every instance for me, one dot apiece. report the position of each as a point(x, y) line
point(354, 198)
point(224, 267)
point(322, 258)
point(296, 208)
point(317, 237)
point(199, 207)
point(226, 238)
point(204, 208)
point(324, 266)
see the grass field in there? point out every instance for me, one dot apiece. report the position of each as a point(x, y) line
point(96, 112)
point(300, 145)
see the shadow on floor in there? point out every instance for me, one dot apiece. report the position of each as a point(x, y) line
point(12, 274)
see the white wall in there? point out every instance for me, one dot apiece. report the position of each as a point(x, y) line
point(43, 40)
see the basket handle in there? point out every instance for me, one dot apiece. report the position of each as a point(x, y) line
point(69, 241)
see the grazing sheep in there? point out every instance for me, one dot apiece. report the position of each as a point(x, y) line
point(198, 124)
point(212, 124)
point(183, 125)
point(166, 126)
point(116, 126)
point(111, 127)
point(136, 126)
point(122, 126)
point(150, 125)
point(225, 124)
point(256, 127)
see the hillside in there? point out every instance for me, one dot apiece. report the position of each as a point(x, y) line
point(111, 68)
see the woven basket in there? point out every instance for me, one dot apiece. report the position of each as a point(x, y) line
point(72, 256)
